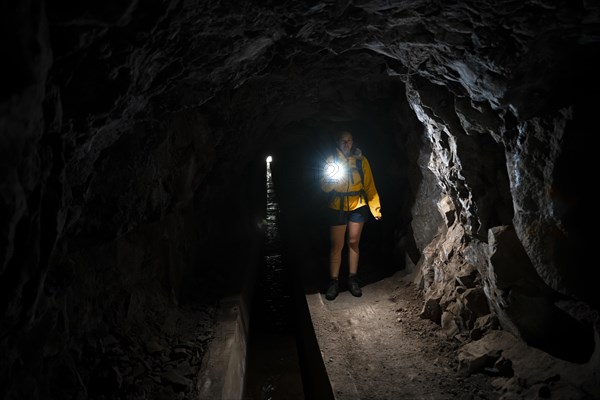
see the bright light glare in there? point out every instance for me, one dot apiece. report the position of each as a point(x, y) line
point(269, 159)
point(334, 171)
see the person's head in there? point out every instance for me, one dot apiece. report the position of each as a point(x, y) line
point(344, 142)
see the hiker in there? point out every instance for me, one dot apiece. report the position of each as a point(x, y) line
point(348, 180)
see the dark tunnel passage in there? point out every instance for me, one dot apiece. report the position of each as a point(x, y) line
point(298, 165)
point(135, 260)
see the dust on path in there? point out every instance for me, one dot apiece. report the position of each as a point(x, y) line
point(377, 347)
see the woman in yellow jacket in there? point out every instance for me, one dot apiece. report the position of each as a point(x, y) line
point(352, 197)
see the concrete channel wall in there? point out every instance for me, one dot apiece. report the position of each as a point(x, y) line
point(224, 364)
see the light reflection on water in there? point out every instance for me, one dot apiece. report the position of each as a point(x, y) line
point(272, 282)
point(272, 369)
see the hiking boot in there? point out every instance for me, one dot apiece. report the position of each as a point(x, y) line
point(353, 286)
point(332, 290)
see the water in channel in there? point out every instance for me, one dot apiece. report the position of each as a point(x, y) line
point(272, 368)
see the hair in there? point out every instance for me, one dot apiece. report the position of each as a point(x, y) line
point(342, 132)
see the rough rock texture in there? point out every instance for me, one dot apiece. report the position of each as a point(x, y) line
point(528, 371)
point(129, 131)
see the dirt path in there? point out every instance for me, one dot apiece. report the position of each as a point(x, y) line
point(377, 347)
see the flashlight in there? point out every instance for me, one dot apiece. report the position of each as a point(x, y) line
point(333, 171)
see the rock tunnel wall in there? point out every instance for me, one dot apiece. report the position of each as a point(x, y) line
point(505, 222)
point(127, 128)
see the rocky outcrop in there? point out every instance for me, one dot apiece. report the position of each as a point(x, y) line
point(526, 370)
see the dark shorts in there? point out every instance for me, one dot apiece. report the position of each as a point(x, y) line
point(337, 217)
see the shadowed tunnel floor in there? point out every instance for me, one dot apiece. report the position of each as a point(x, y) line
point(375, 346)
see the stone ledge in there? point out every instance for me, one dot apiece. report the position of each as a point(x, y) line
point(223, 368)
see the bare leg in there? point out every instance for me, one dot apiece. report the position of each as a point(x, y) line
point(354, 231)
point(337, 235)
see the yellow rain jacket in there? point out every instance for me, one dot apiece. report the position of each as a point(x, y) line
point(348, 186)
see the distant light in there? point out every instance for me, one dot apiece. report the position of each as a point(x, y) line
point(269, 159)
